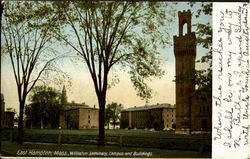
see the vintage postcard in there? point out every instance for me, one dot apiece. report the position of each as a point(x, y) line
point(123, 79)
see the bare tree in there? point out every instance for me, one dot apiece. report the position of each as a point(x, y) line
point(27, 41)
point(111, 33)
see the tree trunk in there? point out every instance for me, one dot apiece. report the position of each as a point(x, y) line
point(101, 135)
point(20, 124)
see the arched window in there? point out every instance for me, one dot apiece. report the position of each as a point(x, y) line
point(185, 29)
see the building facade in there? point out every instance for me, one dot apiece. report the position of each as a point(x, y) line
point(77, 116)
point(9, 119)
point(159, 116)
point(188, 101)
point(201, 113)
point(2, 109)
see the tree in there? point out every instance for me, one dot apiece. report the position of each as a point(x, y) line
point(1, 113)
point(107, 34)
point(27, 40)
point(203, 77)
point(45, 107)
point(107, 116)
point(113, 114)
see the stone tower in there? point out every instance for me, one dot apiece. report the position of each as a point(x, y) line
point(185, 53)
point(64, 95)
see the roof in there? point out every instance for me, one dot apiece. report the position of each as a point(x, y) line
point(78, 106)
point(147, 107)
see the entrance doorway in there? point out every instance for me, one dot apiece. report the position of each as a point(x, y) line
point(204, 124)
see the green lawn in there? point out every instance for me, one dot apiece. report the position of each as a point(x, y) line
point(138, 132)
point(158, 142)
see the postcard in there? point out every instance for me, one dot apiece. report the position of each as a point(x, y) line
point(123, 79)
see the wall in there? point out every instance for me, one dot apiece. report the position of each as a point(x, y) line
point(168, 116)
point(72, 119)
point(88, 118)
point(201, 110)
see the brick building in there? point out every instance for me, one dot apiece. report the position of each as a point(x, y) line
point(9, 119)
point(77, 116)
point(160, 116)
point(192, 111)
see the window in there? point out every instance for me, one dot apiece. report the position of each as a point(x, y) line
point(172, 120)
point(172, 115)
point(185, 29)
point(167, 126)
point(89, 121)
point(181, 92)
point(204, 124)
point(89, 117)
point(89, 111)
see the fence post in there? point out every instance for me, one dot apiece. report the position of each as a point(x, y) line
point(201, 149)
point(120, 140)
point(11, 135)
point(59, 138)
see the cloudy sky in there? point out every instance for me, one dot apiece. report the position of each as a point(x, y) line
point(82, 89)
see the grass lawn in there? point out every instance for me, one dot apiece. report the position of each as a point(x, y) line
point(95, 132)
point(138, 132)
point(160, 143)
point(67, 150)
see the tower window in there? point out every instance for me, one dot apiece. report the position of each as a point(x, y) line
point(184, 31)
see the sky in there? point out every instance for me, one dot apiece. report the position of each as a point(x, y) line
point(82, 88)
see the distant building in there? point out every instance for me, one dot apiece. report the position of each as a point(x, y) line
point(9, 120)
point(7, 117)
point(2, 109)
point(160, 116)
point(192, 112)
point(77, 116)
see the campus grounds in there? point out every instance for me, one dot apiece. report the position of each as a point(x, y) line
point(118, 143)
